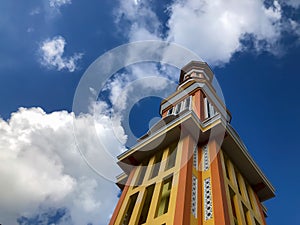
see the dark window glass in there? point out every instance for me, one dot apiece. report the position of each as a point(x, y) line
point(178, 108)
point(141, 175)
point(187, 103)
point(156, 165)
point(146, 205)
point(164, 198)
point(171, 156)
point(129, 210)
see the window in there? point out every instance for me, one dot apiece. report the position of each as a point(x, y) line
point(183, 105)
point(232, 196)
point(237, 175)
point(246, 212)
point(129, 209)
point(187, 76)
point(170, 111)
point(256, 222)
point(226, 162)
point(178, 108)
point(141, 174)
point(252, 198)
point(164, 198)
point(156, 164)
point(242, 187)
point(171, 156)
point(146, 205)
point(209, 109)
point(187, 103)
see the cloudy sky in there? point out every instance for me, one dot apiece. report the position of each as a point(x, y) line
point(50, 175)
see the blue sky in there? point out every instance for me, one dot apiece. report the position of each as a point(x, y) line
point(46, 46)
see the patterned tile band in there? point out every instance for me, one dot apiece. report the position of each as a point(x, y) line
point(195, 157)
point(205, 158)
point(208, 211)
point(194, 195)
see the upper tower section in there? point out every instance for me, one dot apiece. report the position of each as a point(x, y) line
point(195, 93)
point(196, 70)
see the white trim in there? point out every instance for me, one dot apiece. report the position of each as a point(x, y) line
point(197, 71)
point(211, 109)
point(205, 108)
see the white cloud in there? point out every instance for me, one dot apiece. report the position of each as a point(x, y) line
point(293, 3)
point(214, 29)
point(145, 24)
point(30, 29)
point(138, 81)
point(41, 166)
point(35, 11)
point(52, 51)
point(295, 27)
point(59, 3)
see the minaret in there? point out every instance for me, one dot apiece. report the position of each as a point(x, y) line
point(191, 168)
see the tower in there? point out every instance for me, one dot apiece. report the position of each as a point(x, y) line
point(191, 168)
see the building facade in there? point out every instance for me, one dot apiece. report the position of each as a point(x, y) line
point(191, 167)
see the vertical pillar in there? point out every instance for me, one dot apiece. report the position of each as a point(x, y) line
point(201, 106)
point(196, 103)
point(121, 200)
point(183, 200)
point(220, 204)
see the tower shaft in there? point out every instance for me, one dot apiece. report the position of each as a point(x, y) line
point(191, 167)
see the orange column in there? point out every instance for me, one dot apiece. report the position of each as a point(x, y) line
point(197, 103)
point(121, 199)
point(183, 200)
point(200, 189)
point(201, 105)
point(164, 114)
point(220, 205)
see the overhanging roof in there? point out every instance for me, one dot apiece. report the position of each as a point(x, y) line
point(189, 123)
point(239, 155)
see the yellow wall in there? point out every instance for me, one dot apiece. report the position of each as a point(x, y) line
point(238, 191)
point(244, 201)
point(163, 173)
